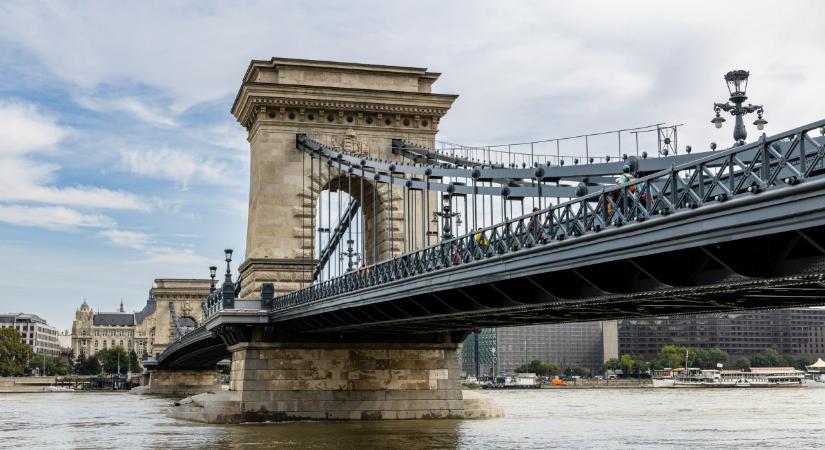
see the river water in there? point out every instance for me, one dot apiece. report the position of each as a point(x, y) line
point(615, 418)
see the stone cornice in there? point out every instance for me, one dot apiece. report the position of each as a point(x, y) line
point(279, 263)
point(274, 64)
point(338, 100)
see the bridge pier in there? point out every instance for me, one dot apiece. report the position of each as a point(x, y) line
point(289, 381)
point(182, 383)
point(273, 379)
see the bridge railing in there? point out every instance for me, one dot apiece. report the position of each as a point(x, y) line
point(770, 163)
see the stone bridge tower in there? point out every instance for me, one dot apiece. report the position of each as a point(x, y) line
point(356, 107)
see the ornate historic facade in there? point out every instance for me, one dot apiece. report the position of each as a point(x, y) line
point(146, 331)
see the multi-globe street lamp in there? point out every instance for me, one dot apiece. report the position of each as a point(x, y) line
point(737, 81)
point(353, 257)
point(447, 215)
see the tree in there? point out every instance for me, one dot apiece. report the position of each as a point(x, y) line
point(113, 359)
point(577, 371)
point(52, 365)
point(628, 364)
point(87, 366)
point(13, 353)
point(742, 363)
point(134, 362)
point(769, 358)
point(671, 356)
point(539, 368)
point(802, 361)
point(70, 360)
point(707, 358)
point(611, 364)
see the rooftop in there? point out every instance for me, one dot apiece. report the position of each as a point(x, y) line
point(21, 317)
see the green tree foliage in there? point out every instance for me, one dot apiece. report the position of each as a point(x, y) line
point(673, 356)
point(670, 356)
point(742, 363)
point(611, 364)
point(113, 358)
point(13, 353)
point(771, 358)
point(134, 362)
point(577, 371)
point(539, 368)
point(87, 366)
point(628, 364)
point(707, 358)
point(802, 362)
point(52, 365)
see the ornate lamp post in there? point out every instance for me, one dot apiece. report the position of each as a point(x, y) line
point(212, 272)
point(353, 257)
point(447, 214)
point(228, 289)
point(737, 81)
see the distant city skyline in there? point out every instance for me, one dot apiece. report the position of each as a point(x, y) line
point(120, 162)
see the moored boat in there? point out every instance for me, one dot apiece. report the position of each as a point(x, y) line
point(756, 377)
point(815, 374)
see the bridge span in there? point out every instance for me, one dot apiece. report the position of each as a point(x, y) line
point(742, 228)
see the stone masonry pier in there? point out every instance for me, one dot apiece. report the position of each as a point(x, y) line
point(182, 383)
point(281, 382)
point(347, 381)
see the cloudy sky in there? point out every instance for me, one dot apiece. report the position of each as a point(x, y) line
point(120, 161)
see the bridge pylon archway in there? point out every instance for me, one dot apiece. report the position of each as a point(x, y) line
point(356, 107)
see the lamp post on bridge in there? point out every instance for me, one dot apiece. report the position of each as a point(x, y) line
point(228, 288)
point(737, 82)
point(447, 215)
point(213, 270)
point(353, 257)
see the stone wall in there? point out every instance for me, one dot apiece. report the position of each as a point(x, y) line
point(346, 381)
point(181, 383)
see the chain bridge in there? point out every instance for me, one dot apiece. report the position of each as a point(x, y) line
point(372, 250)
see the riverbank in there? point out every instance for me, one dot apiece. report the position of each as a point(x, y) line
point(585, 384)
point(602, 384)
point(10, 385)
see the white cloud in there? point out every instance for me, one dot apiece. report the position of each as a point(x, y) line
point(144, 112)
point(174, 256)
point(52, 217)
point(131, 105)
point(174, 165)
point(24, 129)
point(154, 252)
point(129, 239)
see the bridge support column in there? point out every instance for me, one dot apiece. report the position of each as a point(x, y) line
point(288, 381)
point(182, 383)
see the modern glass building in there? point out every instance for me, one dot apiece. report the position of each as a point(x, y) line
point(502, 350)
point(794, 331)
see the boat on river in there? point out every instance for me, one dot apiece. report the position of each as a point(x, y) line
point(755, 377)
point(815, 374)
point(54, 388)
point(518, 381)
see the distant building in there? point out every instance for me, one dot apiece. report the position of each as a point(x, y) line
point(64, 339)
point(501, 350)
point(793, 331)
point(147, 331)
point(34, 331)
